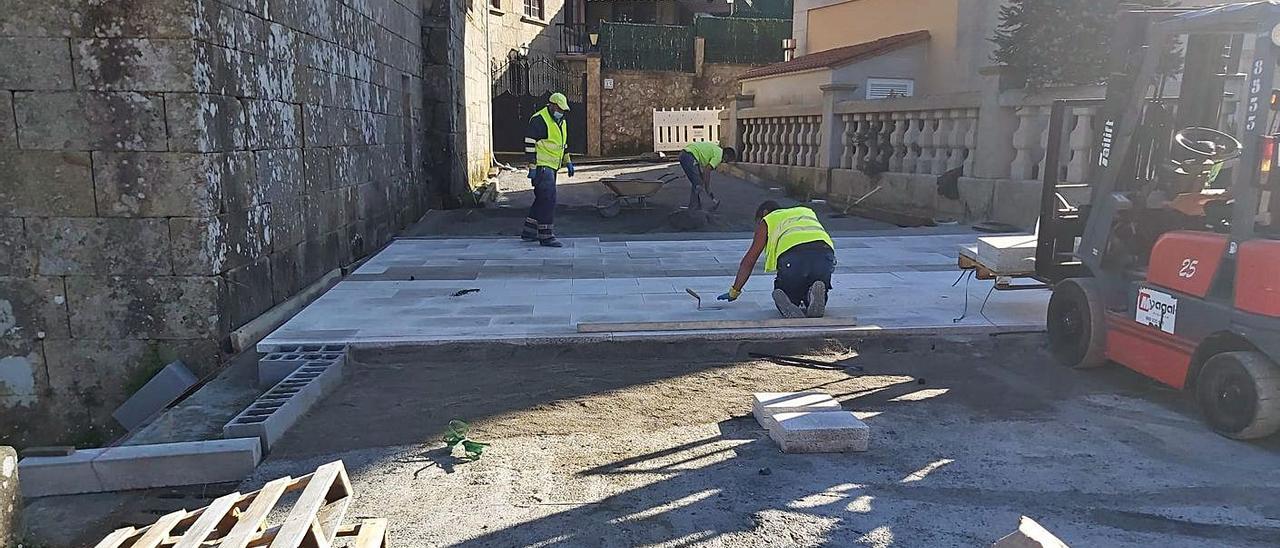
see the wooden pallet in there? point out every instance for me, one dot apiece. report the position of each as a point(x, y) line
point(240, 520)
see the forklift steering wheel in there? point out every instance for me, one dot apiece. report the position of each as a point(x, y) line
point(1206, 144)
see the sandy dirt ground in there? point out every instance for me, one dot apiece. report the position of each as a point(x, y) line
point(605, 446)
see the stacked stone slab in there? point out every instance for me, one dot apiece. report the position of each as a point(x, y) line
point(277, 410)
point(274, 367)
point(810, 422)
point(171, 169)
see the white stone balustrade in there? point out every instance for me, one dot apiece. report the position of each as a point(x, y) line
point(791, 140)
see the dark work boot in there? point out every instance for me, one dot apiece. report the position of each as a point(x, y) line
point(530, 231)
point(817, 300)
point(787, 308)
point(547, 236)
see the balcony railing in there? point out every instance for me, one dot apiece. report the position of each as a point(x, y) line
point(574, 38)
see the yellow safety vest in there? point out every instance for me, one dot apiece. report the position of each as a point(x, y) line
point(789, 228)
point(553, 151)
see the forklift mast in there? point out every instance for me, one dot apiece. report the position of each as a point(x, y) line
point(1136, 123)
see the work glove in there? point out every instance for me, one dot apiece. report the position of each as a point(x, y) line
point(731, 296)
point(571, 170)
point(533, 172)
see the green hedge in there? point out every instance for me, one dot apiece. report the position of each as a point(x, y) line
point(646, 47)
point(743, 40)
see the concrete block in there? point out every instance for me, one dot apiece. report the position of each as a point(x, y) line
point(134, 64)
point(200, 122)
point(68, 246)
point(277, 410)
point(214, 245)
point(69, 475)
point(764, 405)
point(38, 303)
point(1030, 535)
point(160, 184)
point(37, 183)
point(1008, 254)
point(145, 308)
point(16, 256)
point(249, 292)
point(10, 497)
point(35, 64)
point(274, 367)
point(8, 126)
point(820, 432)
point(134, 19)
point(122, 120)
point(26, 18)
point(165, 387)
point(171, 464)
point(273, 124)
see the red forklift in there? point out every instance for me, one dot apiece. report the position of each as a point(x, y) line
point(1168, 260)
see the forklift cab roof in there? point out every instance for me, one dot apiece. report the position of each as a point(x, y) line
point(1230, 18)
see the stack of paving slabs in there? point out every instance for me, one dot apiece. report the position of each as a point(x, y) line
point(809, 422)
point(259, 518)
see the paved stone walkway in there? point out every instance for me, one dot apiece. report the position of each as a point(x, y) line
point(413, 292)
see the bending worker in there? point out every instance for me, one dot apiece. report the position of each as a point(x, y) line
point(546, 147)
point(698, 160)
point(796, 247)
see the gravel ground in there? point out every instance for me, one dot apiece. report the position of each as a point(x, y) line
point(607, 446)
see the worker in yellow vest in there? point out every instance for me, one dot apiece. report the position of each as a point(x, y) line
point(796, 247)
point(698, 160)
point(546, 147)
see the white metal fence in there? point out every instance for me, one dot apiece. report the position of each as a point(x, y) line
point(674, 129)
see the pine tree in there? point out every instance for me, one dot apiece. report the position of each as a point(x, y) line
point(1058, 42)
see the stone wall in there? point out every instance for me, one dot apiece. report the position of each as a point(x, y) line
point(170, 169)
point(627, 109)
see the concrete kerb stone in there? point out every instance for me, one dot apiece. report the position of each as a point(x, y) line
point(69, 475)
point(820, 432)
point(277, 410)
point(166, 386)
point(171, 464)
point(765, 405)
point(140, 467)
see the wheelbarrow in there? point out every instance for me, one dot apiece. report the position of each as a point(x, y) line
point(630, 192)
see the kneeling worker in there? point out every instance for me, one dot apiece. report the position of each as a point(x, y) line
point(796, 247)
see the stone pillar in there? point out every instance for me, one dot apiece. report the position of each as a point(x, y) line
point(993, 139)
point(10, 499)
point(595, 85)
point(730, 132)
point(831, 148)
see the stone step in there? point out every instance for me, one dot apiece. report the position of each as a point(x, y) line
point(820, 432)
point(764, 405)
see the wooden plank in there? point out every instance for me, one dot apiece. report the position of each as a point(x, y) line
point(210, 517)
point(615, 327)
point(373, 534)
point(117, 538)
point(328, 484)
point(252, 520)
point(158, 533)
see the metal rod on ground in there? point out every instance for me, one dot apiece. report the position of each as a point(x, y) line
point(826, 366)
point(805, 361)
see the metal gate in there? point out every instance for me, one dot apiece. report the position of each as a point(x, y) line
point(521, 86)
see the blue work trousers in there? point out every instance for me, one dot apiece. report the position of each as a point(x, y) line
point(543, 209)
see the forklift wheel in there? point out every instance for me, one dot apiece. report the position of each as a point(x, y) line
point(1077, 329)
point(1239, 394)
